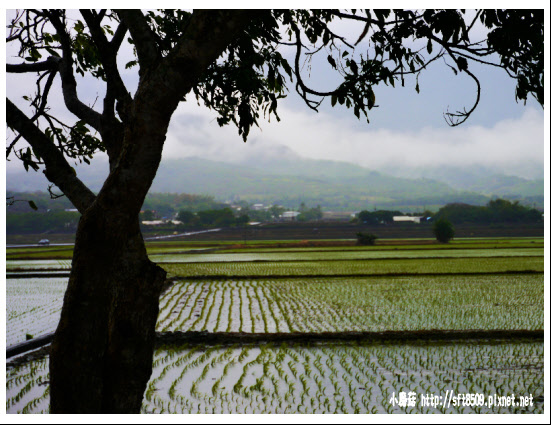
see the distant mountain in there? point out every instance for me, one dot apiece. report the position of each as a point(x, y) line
point(291, 180)
point(92, 175)
point(483, 180)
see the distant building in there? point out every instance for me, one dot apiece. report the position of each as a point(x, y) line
point(337, 216)
point(159, 222)
point(153, 222)
point(289, 215)
point(258, 207)
point(406, 218)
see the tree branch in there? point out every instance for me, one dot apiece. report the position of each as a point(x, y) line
point(49, 64)
point(143, 37)
point(69, 84)
point(302, 89)
point(370, 21)
point(459, 117)
point(118, 37)
point(116, 90)
point(58, 171)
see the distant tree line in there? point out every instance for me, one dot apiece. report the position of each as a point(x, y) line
point(166, 205)
point(36, 222)
point(20, 221)
point(494, 212)
point(224, 217)
point(161, 204)
point(309, 214)
point(269, 213)
point(42, 200)
point(377, 217)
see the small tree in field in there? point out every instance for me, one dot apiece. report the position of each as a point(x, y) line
point(443, 230)
point(366, 238)
point(230, 61)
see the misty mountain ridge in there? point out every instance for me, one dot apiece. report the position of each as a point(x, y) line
point(290, 179)
point(485, 180)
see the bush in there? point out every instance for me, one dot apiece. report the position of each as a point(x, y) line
point(443, 230)
point(366, 238)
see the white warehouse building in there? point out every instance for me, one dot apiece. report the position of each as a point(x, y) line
point(404, 218)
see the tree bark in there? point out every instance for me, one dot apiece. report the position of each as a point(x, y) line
point(102, 353)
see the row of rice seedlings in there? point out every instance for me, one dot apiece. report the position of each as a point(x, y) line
point(16, 265)
point(212, 303)
point(33, 306)
point(22, 295)
point(359, 304)
point(362, 379)
point(256, 311)
point(163, 364)
point(242, 306)
point(170, 299)
point(26, 387)
point(182, 314)
point(356, 254)
point(453, 249)
point(272, 294)
point(266, 299)
point(182, 386)
point(463, 303)
point(332, 378)
point(286, 305)
point(230, 361)
point(38, 321)
point(204, 305)
point(351, 267)
point(230, 307)
point(221, 318)
point(190, 368)
point(267, 316)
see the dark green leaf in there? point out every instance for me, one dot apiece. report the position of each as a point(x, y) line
point(370, 98)
point(462, 64)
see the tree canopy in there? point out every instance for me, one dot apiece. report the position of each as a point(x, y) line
point(443, 230)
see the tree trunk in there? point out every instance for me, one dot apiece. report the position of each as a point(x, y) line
point(102, 352)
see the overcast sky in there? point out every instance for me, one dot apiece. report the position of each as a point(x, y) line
point(406, 130)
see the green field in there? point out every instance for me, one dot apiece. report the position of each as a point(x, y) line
point(261, 289)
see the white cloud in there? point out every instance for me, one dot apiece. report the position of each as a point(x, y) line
point(512, 145)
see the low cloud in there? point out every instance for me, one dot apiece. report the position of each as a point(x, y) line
point(512, 146)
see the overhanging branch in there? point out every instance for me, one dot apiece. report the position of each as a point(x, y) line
point(58, 171)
